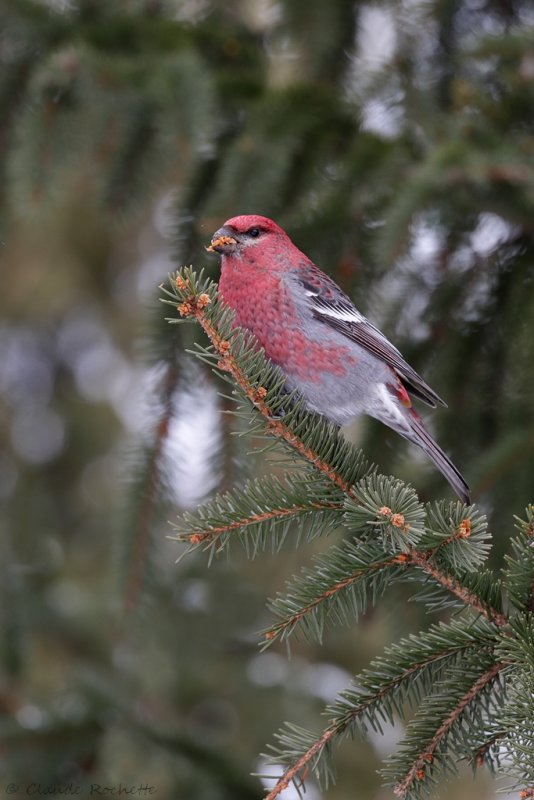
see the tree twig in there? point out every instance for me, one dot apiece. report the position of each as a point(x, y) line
point(294, 619)
point(301, 765)
point(422, 560)
point(200, 537)
point(418, 768)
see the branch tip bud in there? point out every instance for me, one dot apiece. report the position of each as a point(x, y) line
point(464, 529)
point(399, 521)
point(203, 300)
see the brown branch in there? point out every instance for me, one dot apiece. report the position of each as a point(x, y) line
point(422, 560)
point(419, 559)
point(412, 557)
point(481, 752)
point(254, 519)
point(418, 768)
point(295, 618)
point(301, 766)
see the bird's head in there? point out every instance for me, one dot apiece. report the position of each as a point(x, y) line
point(246, 234)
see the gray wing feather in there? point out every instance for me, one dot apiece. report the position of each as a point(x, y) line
point(340, 314)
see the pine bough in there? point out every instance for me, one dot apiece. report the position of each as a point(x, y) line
point(464, 688)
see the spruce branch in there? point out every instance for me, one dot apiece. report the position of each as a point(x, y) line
point(308, 761)
point(418, 654)
point(516, 645)
point(482, 755)
point(426, 758)
point(338, 587)
point(375, 503)
point(333, 590)
point(378, 692)
point(456, 535)
point(484, 585)
point(387, 509)
point(261, 512)
point(274, 515)
point(468, 597)
point(448, 669)
point(519, 572)
point(429, 542)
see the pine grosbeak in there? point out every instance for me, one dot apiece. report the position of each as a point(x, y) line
point(340, 363)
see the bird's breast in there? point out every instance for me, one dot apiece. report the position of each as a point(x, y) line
point(302, 347)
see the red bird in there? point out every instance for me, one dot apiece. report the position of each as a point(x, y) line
point(340, 363)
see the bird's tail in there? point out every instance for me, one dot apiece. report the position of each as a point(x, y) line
point(420, 436)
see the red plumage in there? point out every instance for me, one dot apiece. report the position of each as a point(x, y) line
point(340, 363)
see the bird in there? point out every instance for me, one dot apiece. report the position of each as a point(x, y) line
point(340, 363)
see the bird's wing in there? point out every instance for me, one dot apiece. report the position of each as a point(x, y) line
point(331, 306)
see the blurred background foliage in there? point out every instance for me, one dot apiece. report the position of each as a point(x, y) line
point(393, 140)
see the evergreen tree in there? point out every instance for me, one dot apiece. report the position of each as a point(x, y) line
point(394, 143)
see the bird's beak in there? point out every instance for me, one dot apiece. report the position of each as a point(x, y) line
point(221, 241)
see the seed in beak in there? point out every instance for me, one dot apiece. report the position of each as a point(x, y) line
point(221, 241)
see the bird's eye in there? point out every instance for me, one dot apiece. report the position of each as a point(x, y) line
point(254, 232)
